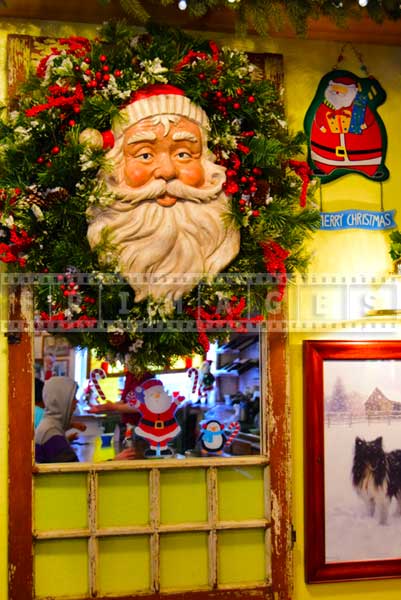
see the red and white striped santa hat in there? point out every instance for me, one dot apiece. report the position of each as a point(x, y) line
point(159, 99)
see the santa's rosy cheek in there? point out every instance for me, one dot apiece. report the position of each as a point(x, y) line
point(136, 174)
point(191, 174)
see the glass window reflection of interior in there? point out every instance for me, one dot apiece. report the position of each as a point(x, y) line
point(232, 399)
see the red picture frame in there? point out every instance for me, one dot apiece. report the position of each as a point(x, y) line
point(343, 541)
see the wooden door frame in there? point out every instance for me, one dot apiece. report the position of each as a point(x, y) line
point(20, 403)
point(20, 462)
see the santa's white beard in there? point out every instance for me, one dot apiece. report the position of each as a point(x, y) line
point(340, 100)
point(165, 251)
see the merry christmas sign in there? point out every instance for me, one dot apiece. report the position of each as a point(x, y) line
point(344, 131)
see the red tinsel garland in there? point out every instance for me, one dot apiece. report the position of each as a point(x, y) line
point(58, 100)
point(211, 319)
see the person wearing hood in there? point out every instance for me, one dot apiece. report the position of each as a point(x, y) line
point(51, 442)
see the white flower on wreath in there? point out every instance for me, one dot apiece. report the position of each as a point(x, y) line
point(54, 66)
point(8, 221)
point(86, 160)
point(75, 307)
point(154, 68)
point(116, 327)
point(37, 211)
point(159, 309)
point(113, 91)
point(136, 345)
point(23, 134)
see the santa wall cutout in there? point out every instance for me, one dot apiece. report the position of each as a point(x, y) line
point(157, 424)
point(345, 134)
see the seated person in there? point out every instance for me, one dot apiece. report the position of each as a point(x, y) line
point(39, 406)
point(51, 443)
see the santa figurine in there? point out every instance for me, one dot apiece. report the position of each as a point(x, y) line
point(157, 424)
point(346, 135)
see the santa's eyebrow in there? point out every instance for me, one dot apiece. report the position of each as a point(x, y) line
point(184, 136)
point(145, 136)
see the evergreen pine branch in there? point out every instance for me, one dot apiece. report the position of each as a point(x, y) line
point(135, 9)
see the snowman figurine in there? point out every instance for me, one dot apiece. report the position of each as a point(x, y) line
point(157, 424)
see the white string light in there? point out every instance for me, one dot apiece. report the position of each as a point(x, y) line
point(363, 3)
point(182, 5)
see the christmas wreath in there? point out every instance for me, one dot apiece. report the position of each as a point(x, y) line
point(54, 144)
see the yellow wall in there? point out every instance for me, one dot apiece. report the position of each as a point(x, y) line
point(340, 252)
point(345, 252)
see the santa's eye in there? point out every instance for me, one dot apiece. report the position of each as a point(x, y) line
point(144, 156)
point(183, 155)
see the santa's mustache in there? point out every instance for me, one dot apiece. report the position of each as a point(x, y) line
point(159, 187)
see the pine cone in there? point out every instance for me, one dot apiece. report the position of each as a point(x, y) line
point(38, 199)
point(58, 194)
point(117, 339)
point(259, 198)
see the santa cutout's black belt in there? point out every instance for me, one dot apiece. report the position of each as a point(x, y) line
point(334, 151)
point(158, 424)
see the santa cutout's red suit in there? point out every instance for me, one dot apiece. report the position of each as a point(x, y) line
point(157, 424)
point(345, 132)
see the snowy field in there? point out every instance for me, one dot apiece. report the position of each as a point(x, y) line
point(350, 533)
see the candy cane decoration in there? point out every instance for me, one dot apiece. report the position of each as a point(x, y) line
point(195, 372)
point(234, 428)
point(94, 376)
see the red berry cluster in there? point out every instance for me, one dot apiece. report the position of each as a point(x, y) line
point(99, 78)
point(222, 103)
point(70, 287)
point(243, 181)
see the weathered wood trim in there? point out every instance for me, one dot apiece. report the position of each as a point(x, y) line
point(278, 406)
point(19, 49)
point(238, 593)
point(137, 465)
point(154, 503)
point(212, 516)
point(20, 430)
point(93, 543)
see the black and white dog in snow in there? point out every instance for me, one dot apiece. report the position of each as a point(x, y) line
point(376, 477)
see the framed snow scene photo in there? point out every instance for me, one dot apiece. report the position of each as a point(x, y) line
point(352, 421)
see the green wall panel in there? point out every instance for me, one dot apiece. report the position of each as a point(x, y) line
point(241, 493)
point(123, 498)
point(184, 561)
point(61, 501)
point(61, 568)
point(183, 496)
point(241, 556)
point(124, 565)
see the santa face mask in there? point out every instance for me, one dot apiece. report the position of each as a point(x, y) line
point(169, 218)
